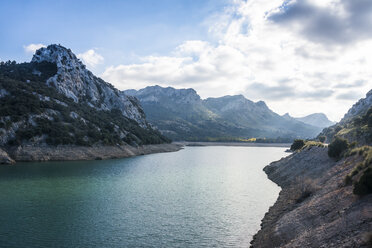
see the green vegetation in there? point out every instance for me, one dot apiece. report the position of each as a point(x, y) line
point(364, 185)
point(337, 147)
point(310, 143)
point(358, 129)
point(361, 175)
point(45, 115)
point(322, 138)
point(297, 144)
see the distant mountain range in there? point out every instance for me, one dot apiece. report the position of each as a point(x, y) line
point(181, 114)
point(317, 120)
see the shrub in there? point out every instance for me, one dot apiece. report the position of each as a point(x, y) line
point(305, 188)
point(368, 239)
point(364, 185)
point(337, 147)
point(322, 138)
point(303, 196)
point(297, 144)
point(348, 180)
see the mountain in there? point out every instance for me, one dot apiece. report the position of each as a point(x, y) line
point(317, 120)
point(182, 115)
point(76, 82)
point(356, 125)
point(55, 100)
point(359, 108)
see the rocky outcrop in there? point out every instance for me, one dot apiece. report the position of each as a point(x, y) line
point(5, 159)
point(76, 82)
point(315, 208)
point(359, 108)
point(356, 124)
point(68, 153)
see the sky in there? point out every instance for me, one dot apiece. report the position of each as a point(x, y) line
point(300, 57)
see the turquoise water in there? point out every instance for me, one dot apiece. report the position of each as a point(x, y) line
point(197, 197)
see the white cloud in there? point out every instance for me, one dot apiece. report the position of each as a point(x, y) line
point(91, 58)
point(33, 47)
point(265, 60)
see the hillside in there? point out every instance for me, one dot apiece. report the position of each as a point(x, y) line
point(54, 100)
point(326, 197)
point(356, 125)
point(181, 114)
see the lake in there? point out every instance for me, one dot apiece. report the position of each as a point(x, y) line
point(197, 197)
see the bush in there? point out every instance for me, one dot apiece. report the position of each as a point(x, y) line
point(297, 144)
point(348, 180)
point(337, 147)
point(364, 185)
point(322, 138)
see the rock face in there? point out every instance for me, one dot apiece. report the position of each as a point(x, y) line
point(182, 115)
point(315, 208)
point(161, 95)
point(359, 108)
point(76, 82)
point(317, 120)
point(5, 159)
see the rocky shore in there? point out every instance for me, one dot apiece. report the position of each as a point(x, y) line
point(315, 207)
point(9, 155)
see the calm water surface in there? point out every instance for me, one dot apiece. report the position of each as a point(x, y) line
point(197, 197)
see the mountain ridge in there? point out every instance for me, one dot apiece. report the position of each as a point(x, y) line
point(221, 117)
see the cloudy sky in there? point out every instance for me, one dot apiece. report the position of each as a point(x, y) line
point(298, 56)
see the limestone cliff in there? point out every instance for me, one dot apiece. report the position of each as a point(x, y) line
point(76, 82)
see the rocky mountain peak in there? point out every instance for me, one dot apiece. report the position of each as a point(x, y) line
point(156, 93)
point(56, 54)
point(236, 102)
point(359, 108)
point(261, 104)
point(76, 82)
point(317, 120)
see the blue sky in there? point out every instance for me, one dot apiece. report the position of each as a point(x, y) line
point(118, 29)
point(300, 57)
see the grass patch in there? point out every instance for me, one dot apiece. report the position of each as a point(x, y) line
point(310, 143)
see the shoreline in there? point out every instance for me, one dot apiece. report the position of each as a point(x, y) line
point(202, 143)
point(11, 155)
point(314, 207)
